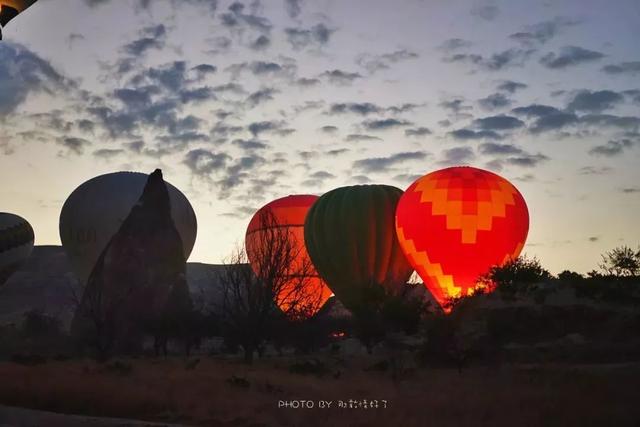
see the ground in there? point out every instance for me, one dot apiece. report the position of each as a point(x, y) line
point(222, 392)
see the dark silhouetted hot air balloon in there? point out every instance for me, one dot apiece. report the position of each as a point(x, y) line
point(350, 235)
point(9, 9)
point(456, 223)
point(301, 293)
point(95, 210)
point(16, 244)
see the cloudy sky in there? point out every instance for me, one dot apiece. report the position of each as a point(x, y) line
point(243, 102)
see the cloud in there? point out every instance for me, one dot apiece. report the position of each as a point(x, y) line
point(340, 77)
point(249, 144)
point(450, 45)
point(73, 144)
point(150, 38)
point(536, 110)
point(554, 121)
point(630, 190)
point(420, 131)
point(203, 162)
point(455, 105)
point(260, 43)
point(383, 124)
point(544, 31)
point(329, 129)
point(593, 170)
point(108, 153)
point(356, 137)
point(293, 8)
point(382, 164)
point(511, 86)
point(485, 12)
point(277, 127)
point(495, 101)
point(500, 122)
point(570, 56)
point(260, 97)
point(200, 94)
point(322, 175)
point(361, 108)
point(527, 160)
point(301, 38)
point(496, 62)
point(468, 134)
point(595, 102)
point(493, 149)
point(375, 63)
point(631, 68)
point(613, 148)
point(236, 18)
point(22, 73)
point(203, 70)
point(337, 152)
point(608, 120)
point(307, 82)
point(457, 156)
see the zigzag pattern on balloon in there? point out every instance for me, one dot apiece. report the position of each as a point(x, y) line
point(467, 206)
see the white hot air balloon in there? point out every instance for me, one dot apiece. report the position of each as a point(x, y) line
point(94, 212)
point(16, 244)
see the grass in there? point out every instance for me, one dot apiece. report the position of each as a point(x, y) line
point(215, 393)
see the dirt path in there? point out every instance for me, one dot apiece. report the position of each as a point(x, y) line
point(18, 417)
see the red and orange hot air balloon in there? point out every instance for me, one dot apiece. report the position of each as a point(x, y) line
point(454, 224)
point(279, 221)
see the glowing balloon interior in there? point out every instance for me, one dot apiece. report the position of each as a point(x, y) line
point(456, 223)
point(285, 217)
point(16, 244)
point(94, 212)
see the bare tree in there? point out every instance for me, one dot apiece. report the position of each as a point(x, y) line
point(275, 286)
point(96, 318)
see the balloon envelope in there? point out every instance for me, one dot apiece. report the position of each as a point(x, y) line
point(16, 243)
point(287, 215)
point(350, 235)
point(456, 223)
point(95, 210)
point(9, 9)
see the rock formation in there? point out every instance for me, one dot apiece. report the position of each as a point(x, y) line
point(138, 285)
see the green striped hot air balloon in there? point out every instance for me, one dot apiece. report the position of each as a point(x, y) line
point(350, 235)
point(16, 244)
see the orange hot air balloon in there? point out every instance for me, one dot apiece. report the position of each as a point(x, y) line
point(284, 218)
point(456, 223)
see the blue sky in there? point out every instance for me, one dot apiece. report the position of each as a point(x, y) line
point(243, 102)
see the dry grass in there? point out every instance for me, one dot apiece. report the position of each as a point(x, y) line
point(163, 390)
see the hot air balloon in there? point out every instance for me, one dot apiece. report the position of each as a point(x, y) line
point(350, 236)
point(95, 210)
point(9, 9)
point(456, 223)
point(16, 244)
point(298, 297)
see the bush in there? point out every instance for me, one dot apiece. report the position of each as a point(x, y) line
point(38, 324)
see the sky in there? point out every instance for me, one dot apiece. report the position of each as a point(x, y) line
point(240, 103)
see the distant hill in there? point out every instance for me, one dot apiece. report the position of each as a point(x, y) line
point(46, 282)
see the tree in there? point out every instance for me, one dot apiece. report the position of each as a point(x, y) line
point(519, 274)
point(621, 262)
point(256, 296)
